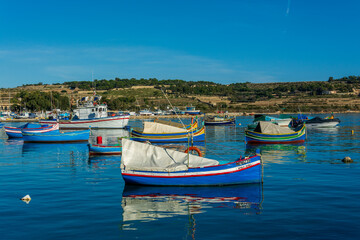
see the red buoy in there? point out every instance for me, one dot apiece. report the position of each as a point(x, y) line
point(99, 139)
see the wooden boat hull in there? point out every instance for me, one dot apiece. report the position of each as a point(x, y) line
point(17, 132)
point(258, 138)
point(240, 172)
point(57, 137)
point(99, 149)
point(108, 122)
point(198, 136)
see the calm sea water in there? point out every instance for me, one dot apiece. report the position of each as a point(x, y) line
point(308, 193)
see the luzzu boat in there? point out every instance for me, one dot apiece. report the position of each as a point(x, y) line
point(16, 132)
point(157, 132)
point(146, 164)
point(267, 132)
point(56, 137)
point(196, 136)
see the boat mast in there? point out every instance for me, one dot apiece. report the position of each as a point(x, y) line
point(9, 103)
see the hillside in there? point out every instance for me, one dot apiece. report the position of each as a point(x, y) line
point(132, 94)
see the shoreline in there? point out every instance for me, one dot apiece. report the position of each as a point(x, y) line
point(200, 115)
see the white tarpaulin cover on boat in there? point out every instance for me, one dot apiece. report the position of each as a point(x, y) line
point(147, 157)
point(154, 127)
point(271, 128)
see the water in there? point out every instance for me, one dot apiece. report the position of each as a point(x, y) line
point(308, 193)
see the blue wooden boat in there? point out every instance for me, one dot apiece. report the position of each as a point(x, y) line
point(269, 133)
point(146, 164)
point(99, 149)
point(191, 111)
point(57, 137)
point(16, 132)
point(217, 120)
point(194, 136)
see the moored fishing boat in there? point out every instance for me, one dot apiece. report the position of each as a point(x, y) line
point(218, 120)
point(191, 111)
point(167, 132)
point(267, 132)
point(57, 137)
point(317, 122)
point(17, 132)
point(194, 136)
point(146, 164)
point(92, 114)
point(99, 149)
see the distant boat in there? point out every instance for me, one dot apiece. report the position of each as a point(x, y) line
point(146, 164)
point(318, 122)
point(92, 114)
point(57, 137)
point(99, 149)
point(146, 112)
point(270, 133)
point(219, 120)
point(282, 120)
point(16, 132)
point(192, 111)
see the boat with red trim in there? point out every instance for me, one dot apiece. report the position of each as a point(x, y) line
point(92, 113)
point(16, 132)
point(146, 164)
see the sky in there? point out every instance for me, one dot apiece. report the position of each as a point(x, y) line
point(225, 41)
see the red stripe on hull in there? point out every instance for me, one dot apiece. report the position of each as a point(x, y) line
point(101, 120)
point(278, 142)
point(203, 175)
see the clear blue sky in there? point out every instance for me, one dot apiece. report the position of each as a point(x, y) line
point(222, 41)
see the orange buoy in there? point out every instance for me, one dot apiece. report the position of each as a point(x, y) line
point(194, 149)
point(99, 139)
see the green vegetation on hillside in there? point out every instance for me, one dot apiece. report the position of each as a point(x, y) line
point(135, 94)
point(38, 101)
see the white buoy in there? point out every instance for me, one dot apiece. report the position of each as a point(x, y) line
point(26, 198)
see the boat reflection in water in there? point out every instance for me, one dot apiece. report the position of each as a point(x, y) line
point(144, 204)
point(278, 153)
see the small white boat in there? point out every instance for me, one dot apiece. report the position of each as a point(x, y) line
point(146, 112)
